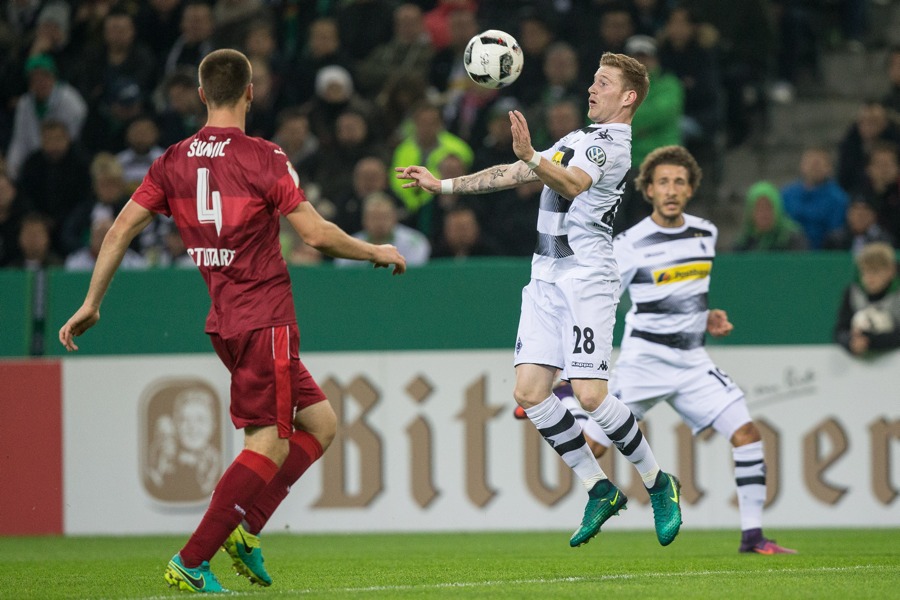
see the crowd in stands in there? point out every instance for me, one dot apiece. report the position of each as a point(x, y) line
point(93, 91)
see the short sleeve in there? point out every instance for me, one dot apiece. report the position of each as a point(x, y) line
point(150, 193)
point(592, 157)
point(285, 193)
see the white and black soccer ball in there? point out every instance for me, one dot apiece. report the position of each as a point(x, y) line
point(493, 59)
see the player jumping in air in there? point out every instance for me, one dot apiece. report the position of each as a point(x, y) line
point(568, 307)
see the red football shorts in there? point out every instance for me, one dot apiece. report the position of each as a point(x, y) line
point(268, 381)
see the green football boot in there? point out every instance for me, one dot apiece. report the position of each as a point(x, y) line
point(665, 497)
point(604, 501)
point(199, 579)
point(246, 555)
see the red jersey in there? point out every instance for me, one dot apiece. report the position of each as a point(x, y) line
point(226, 192)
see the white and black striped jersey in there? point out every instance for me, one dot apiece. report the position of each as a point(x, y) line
point(666, 272)
point(575, 238)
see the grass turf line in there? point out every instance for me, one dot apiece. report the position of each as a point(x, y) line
point(833, 563)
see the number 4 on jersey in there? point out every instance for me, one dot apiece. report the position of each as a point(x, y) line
point(209, 205)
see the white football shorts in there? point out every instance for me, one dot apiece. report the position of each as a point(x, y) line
point(647, 373)
point(568, 325)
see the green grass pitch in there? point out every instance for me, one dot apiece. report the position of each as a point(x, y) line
point(833, 563)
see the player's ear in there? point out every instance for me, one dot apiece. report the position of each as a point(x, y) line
point(249, 93)
point(202, 95)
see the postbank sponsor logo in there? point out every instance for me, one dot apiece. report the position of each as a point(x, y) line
point(685, 272)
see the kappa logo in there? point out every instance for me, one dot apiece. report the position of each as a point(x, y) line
point(603, 366)
point(596, 155)
point(582, 365)
point(603, 134)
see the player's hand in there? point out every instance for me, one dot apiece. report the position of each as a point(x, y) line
point(387, 255)
point(419, 177)
point(521, 143)
point(83, 319)
point(717, 323)
point(859, 342)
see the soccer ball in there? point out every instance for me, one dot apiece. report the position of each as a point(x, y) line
point(493, 59)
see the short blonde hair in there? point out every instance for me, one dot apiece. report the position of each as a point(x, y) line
point(876, 256)
point(106, 166)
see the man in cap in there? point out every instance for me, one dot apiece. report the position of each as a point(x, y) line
point(47, 98)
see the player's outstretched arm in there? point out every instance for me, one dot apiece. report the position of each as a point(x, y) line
point(492, 179)
point(717, 323)
point(128, 224)
point(330, 239)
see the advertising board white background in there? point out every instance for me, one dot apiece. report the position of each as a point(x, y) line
point(431, 445)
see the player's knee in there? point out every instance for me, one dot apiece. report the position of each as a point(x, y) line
point(325, 427)
point(528, 397)
point(745, 434)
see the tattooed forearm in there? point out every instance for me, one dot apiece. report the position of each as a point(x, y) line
point(500, 177)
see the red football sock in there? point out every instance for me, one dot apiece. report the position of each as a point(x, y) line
point(238, 488)
point(305, 450)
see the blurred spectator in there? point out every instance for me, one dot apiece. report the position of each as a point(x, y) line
point(765, 225)
point(657, 123)
point(561, 79)
point(607, 32)
point(12, 208)
point(437, 21)
point(380, 226)
point(158, 24)
point(396, 101)
point(293, 135)
point(881, 187)
point(561, 117)
point(120, 61)
point(334, 96)
point(47, 99)
point(872, 125)
point(174, 254)
point(370, 175)
point(85, 258)
point(862, 228)
point(55, 179)
point(408, 51)
point(107, 122)
point(196, 39)
point(35, 248)
point(815, 200)
point(798, 47)
point(892, 66)
point(428, 145)
point(537, 31)
point(51, 37)
point(110, 193)
point(509, 218)
point(462, 236)
point(747, 41)
point(332, 167)
point(688, 52)
point(87, 24)
point(142, 148)
point(448, 74)
point(322, 50)
point(262, 119)
point(364, 25)
point(869, 316)
point(650, 16)
point(234, 18)
point(183, 114)
point(466, 115)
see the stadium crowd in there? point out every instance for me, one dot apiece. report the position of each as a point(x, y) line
point(93, 91)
